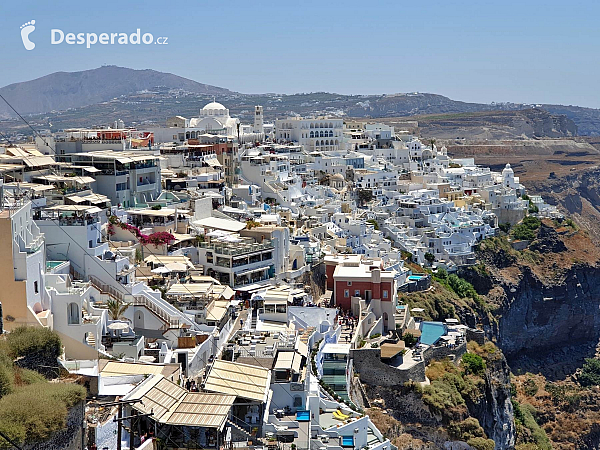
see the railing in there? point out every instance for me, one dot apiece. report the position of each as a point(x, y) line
point(142, 300)
point(237, 249)
point(107, 289)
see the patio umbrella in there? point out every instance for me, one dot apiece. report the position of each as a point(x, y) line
point(118, 326)
point(161, 270)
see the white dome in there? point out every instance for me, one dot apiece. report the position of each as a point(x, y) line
point(214, 105)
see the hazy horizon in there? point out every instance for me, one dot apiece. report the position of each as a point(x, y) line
point(538, 52)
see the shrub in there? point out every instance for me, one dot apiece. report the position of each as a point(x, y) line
point(529, 387)
point(590, 373)
point(429, 257)
point(409, 339)
point(522, 233)
point(375, 336)
point(30, 415)
point(481, 443)
point(25, 340)
point(505, 227)
point(473, 363)
point(526, 229)
point(441, 274)
point(6, 380)
point(525, 416)
point(462, 287)
point(374, 223)
point(465, 430)
point(26, 376)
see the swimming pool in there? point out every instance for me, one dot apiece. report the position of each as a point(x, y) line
point(303, 416)
point(431, 332)
point(347, 441)
point(414, 277)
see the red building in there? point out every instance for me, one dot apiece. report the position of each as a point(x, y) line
point(366, 280)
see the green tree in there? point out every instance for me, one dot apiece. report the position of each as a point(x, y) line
point(429, 257)
point(473, 363)
point(374, 223)
point(409, 339)
point(505, 227)
point(116, 309)
point(138, 255)
point(365, 196)
point(590, 372)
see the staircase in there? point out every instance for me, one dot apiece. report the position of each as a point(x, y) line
point(254, 318)
point(91, 340)
point(238, 433)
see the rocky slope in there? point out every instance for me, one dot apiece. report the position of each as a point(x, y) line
point(577, 194)
point(541, 306)
point(545, 299)
point(495, 125)
point(456, 407)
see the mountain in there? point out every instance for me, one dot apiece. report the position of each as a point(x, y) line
point(141, 97)
point(63, 90)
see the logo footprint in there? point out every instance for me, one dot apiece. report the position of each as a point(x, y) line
point(26, 30)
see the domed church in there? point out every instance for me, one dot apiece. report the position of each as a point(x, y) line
point(214, 118)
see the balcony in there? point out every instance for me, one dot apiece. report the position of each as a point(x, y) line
point(238, 248)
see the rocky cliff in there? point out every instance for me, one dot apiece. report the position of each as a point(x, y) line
point(453, 407)
point(545, 300)
point(577, 194)
point(494, 410)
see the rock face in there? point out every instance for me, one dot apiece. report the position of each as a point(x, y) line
point(550, 328)
point(578, 195)
point(495, 411)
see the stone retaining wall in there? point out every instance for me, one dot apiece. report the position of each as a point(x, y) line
point(371, 370)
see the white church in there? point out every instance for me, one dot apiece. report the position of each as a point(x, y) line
point(213, 118)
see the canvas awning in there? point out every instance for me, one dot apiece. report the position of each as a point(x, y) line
point(241, 380)
point(173, 405)
point(288, 361)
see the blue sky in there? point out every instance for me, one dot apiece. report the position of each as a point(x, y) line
point(484, 51)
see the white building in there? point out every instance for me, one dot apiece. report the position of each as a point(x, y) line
point(320, 133)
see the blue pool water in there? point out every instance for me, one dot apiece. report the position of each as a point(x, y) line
point(303, 416)
point(414, 277)
point(347, 441)
point(431, 332)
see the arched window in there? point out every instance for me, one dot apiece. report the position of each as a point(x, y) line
point(336, 142)
point(187, 135)
point(330, 133)
point(312, 125)
point(73, 314)
point(327, 142)
point(330, 125)
point(312, 134)
point(322, 142)
point(317, 143)
point(321, 134)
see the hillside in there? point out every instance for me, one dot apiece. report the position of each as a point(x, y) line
point(540, 307)
point(525, 123)
point(99, 96)
point(63, 90)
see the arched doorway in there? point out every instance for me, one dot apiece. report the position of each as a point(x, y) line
point(138, 319)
